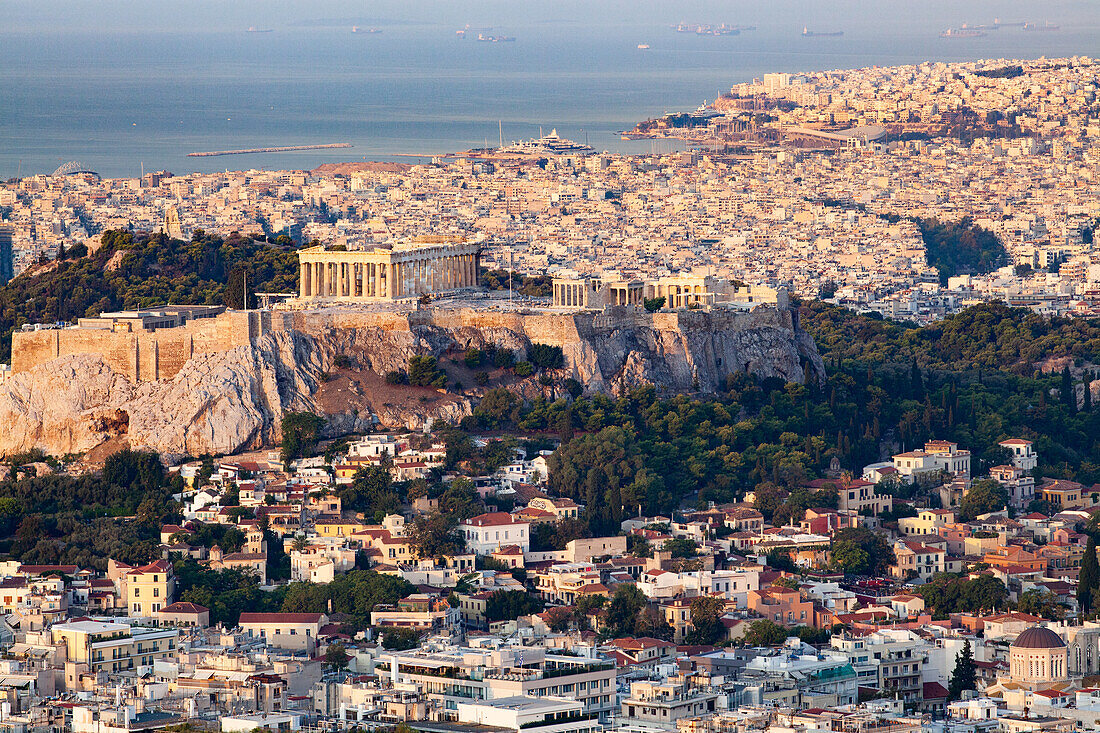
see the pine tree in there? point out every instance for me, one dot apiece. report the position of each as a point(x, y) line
point(963, 677)
point(1089, 577)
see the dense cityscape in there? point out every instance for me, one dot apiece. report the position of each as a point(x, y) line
point(792, 431)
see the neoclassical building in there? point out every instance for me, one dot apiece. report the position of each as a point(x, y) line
point(1083, 648)
point(1038, 658)
point(387, 273)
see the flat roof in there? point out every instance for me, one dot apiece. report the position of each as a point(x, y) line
point(527, 704)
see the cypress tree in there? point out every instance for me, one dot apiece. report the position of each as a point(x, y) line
point(963, 677)
point(916, 381)
point(1068, 393)
point(1089, 577)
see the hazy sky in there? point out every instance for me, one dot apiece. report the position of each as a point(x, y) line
point(42, 16)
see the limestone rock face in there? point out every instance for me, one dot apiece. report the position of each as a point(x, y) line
point(233, 400)
point(69, 405)
point(226, 402)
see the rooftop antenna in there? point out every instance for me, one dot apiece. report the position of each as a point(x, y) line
point(143, 169)
point(500, 131)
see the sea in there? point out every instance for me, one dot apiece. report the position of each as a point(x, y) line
point(124, 86)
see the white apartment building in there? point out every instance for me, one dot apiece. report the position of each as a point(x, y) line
point(937, 455)
point(1024, 455)
point(486, 533)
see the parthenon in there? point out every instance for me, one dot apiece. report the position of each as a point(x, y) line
point(387, 273)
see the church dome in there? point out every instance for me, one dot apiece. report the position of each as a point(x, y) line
point(1038, 637)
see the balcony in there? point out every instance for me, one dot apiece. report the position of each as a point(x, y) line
point(558, 721)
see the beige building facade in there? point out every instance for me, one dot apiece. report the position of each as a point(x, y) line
point(403, 271)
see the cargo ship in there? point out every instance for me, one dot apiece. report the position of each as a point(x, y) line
point(495, 39)
point(470, 30)
point(1043, 27)
point(962, 33)
point(807, 33)
point(708, 29)
point(643, 46)
point(254, 29)
point(357, 29)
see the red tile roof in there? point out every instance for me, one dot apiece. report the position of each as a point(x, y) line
point(492, 519)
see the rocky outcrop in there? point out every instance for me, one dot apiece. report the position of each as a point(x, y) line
point(225, 402)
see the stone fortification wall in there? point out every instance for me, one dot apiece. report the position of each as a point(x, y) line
point(142, 356)
point(152, 356)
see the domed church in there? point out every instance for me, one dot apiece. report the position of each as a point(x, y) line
point(1038, 659)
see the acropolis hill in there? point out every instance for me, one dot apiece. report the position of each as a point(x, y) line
point(195, 380)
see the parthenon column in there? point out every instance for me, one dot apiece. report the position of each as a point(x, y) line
point(303, 280)
point(391, 280)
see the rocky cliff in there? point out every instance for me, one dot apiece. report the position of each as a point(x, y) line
point(232, 400)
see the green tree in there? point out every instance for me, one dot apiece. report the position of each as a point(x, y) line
point(300, 433)
point(336, 657)
point(497, 409)
point(849, 557)
point(139, 470)
point(371, 492)
point(436, 535)
point(424, 372)
point(653, 304)
point(963, 677)
point(879, 554)
point(622, 610)
point(398, 639)
point(239, 288)
point(948, 594)
point(681, 547)
point(984, 496)
point(1088, 580)
point(1040, 602)
point(706, 620)
point(473, 357)
point(508, 605)
point(651, 622)
point(765, 633)
point(545, 356)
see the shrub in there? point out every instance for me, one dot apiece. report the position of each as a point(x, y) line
point(423, 372)
point(545, 356)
